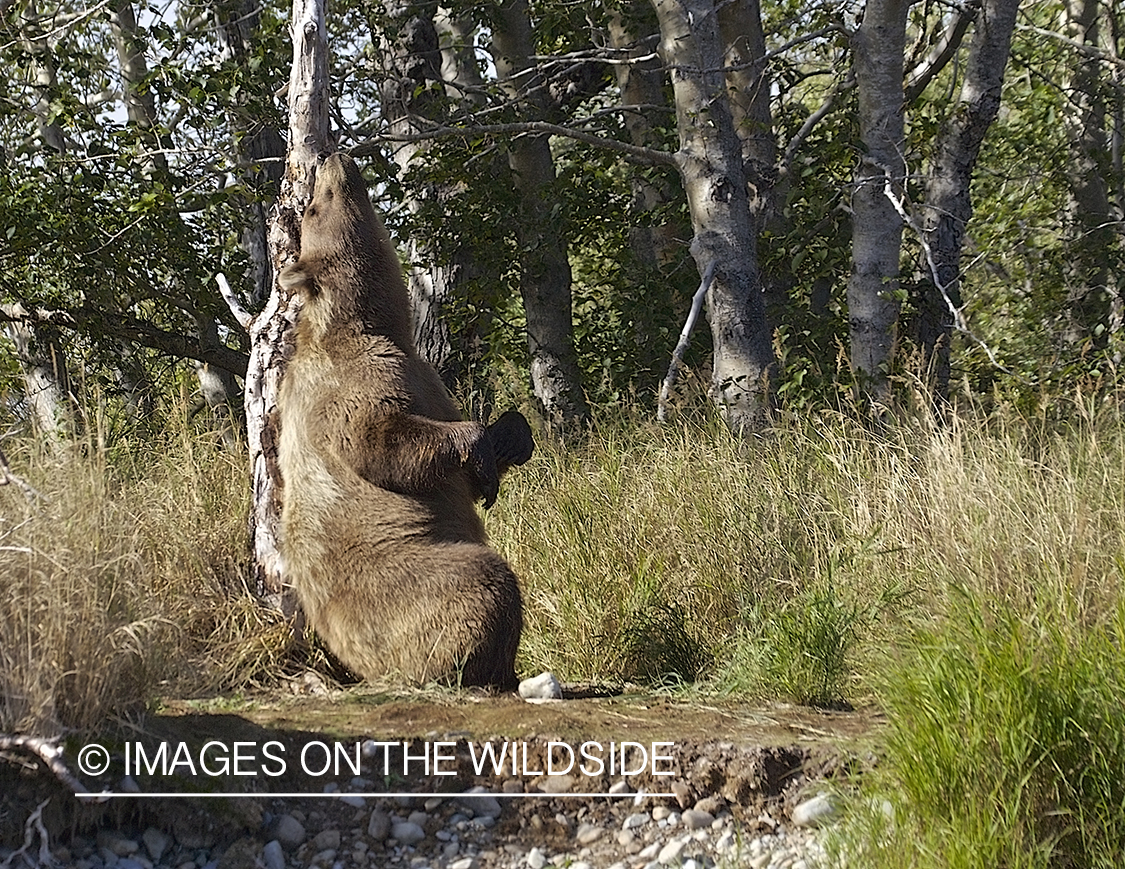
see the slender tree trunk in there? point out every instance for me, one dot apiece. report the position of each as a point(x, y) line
point(878, 48)
point(38, 349)
point(1089, 298)
point(46, 384)
point(725, 244)
point(545, 276)
point(948, 203)
point(271, 331)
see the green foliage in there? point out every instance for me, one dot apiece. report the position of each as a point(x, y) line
point(1006, 743)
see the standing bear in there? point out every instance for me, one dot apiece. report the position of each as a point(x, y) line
point(379, 533)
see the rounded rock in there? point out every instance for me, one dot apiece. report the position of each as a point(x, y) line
point(289, 832)
point(815, 811)
point(542, 687)
point(407, 833)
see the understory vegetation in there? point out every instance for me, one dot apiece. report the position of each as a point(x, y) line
point(964, 577)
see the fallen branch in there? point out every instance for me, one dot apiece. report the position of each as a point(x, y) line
point(236, 308)
point(48, 752)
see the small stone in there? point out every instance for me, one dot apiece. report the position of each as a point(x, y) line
point(712, 804)
point(481, 802)
point(289, 832)
point(671, 851)
point(418, 818)
point(324, 858)
point(379, 826)
point(683, 793)
point(353, 801)
point(542, 687)
point(638, 819)
point(649, 852)
point(155, 842)
point(407, 833)
point(327, 839)
point(814, 812)
point(620, 787)
point(273, 855)
point(588, 834)
point(512, 786)
point(626, 837)
point(660, 813)
point(694, 819)
point(690, 863)
point(483, 822)
point(726, 842)
point(556, 784)
point(464, 863)
point(536, 859)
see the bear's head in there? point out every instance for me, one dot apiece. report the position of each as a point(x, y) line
point(348, 274)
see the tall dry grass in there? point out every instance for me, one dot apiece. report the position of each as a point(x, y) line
point(124, 580)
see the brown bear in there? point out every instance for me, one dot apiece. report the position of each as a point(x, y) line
point(379, 533)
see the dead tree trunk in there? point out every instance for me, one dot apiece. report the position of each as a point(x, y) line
point(271, 330)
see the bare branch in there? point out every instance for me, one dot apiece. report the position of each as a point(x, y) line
point(6, 476)
point(634, 153)
point(682, 344)
point(923, 73)
point(131, 329)
point(1081, 47)
point(957, 313)
point(47, 751)
point(812, 120)
point(236, 308)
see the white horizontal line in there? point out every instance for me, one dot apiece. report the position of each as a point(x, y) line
point(108, 795)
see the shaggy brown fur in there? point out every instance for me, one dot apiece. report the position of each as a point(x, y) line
point(379, 534)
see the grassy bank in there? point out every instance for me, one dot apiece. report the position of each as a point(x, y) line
point(966, 578)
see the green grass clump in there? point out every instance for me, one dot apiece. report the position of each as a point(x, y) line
point(1006, 745)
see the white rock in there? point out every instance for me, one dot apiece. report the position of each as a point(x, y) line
point(671, 851)
point(637, 819)
point(536, 859)
point(588, 834)
point(542, 687)
point(464, 863)
point(620, 787)
point(694, 819)
point(353, 801)
point(273, 856)
point(814, 812)
point(481, 802)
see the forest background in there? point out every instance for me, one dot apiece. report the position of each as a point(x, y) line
point(888, 473)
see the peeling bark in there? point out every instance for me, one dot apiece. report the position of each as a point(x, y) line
point(725, 244)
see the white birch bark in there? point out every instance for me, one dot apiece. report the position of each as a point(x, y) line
point(725, 241)
point(878, 48)
point(271, 330)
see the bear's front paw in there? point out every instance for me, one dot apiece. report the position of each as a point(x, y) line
point(479, 458)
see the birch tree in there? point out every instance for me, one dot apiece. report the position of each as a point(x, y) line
point(710, 162)
point(878, 48)
point(948, 206)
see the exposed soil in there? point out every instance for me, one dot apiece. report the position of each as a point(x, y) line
point(746, 757)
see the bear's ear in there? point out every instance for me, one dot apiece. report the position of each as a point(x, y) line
point(299, 277)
